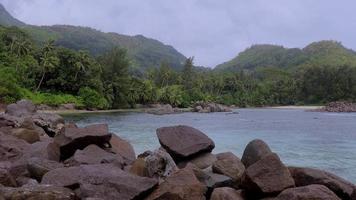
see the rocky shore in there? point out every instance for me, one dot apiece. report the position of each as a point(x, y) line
point(338, 106)
point(41, 157)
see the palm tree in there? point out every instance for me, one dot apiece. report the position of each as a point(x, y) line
point(19, 49)
point(81, 64)
point(47, 63)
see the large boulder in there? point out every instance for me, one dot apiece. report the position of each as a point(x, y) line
point(226, 193)
point(12, 148)
point(38, 192)
point(229, 165)
point(122, 148)
point(267, 177)
point(310, 192)
point(92, 154)
point(204, 107)
point(72, 139)
point(104, 181)
point(307, 176)
point(159, 109)
point(21, 108)
point(157, 164)
point(29, 135)
point(51, 123)
point(183, 142)
point(181, 185)
point(202, 161)
point(254, 151)
point(38, 167)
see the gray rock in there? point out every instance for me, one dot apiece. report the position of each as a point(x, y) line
point(122, 148)
point(254, 151)
point(21, 108)
point(229, 165)
point(38, 167)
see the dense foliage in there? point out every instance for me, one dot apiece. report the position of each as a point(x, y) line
point(53, 75)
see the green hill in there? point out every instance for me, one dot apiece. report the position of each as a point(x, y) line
point(144, 52)
point(259, 56)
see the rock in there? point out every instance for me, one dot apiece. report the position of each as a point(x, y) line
point(307, 176)
point(266, 177)
point(22, 180)
point(49, 122)
point(21, 108)
point(12, 148)
point(158, 164)
point(104, 181)
point(44, 107)
point(203, 107)
point(38, 167)
point(44, 149)
point(183, 142)
point(161, 109)
point(122, 148)
point(72, 139)
point(6, 179)
point(226, 193)
point(68, 106)
point(181, 185)
point(30, 136)
point(310, 192)
point(92, 154)
point(254, 151)
point(7, 121)
point(38, 192)
point(339, 106)
point(229, 165)
point(202, 161)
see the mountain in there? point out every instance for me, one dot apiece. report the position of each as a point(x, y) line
point(144, 52)
point(325, 52)
point(7, 20)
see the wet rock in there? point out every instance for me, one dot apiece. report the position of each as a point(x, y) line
point(49, 122)
point(202, 161)
point(184, 142)
point(226, 193)
point(38, 167)
point(101, 181)
point(307, 176)
point(38, 192)
point(21, 108)
point(30, 136)
point(254, 151)
point(72, 139)
point(266, 177)
point(92, 154)
point(122, 148)
point(310, 192)
point(229, 165)
point(181, 185)
point(159, 109)
point(158, 164)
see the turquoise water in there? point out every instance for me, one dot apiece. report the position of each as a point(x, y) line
point(313, 139)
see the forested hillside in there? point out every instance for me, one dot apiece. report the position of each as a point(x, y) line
point(144, 52)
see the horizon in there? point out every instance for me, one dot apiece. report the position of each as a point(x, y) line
point(283, 24)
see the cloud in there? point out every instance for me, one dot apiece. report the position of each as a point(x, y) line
point(212, 31)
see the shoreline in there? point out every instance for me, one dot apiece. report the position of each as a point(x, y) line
point(292, 107)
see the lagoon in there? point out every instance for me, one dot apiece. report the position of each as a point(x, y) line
point(309, 139)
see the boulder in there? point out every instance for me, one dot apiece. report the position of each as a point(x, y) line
point(307, 176)
point(38, 192)
point(254, 151)
point(21, 108)
point(6, 179)
point(67, 106)
point(72, 139)
point(183, 142)
point(7, 121)
point(267, 177)
point(226, 193)
point(104, 181)
point(158, 164)
point(181, 185)
point(204, 107)
point(160, 109)
point(92, 154)
point(12, 148)
point(202, 161)
point(30, 136)
point(23, 180)
point(38, 167)
point(51, 123)
point(122, 148)
point(310, 192)
point(229, 165)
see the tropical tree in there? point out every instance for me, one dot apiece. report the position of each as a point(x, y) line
point(48, 61)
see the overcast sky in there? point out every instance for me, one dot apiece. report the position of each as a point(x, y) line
point(213, 31)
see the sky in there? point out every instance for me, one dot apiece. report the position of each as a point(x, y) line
point(213, 31)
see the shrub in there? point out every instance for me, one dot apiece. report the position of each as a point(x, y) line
point(9, 88)
point(92, 99)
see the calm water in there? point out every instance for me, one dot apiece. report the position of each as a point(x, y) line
point(323, 140)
